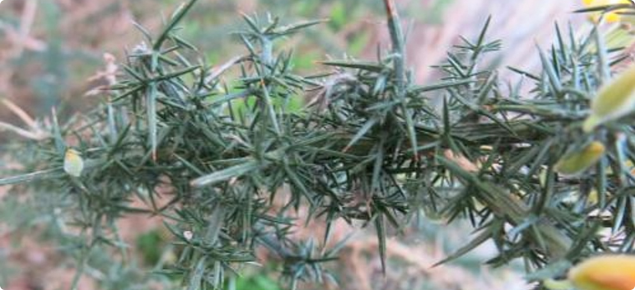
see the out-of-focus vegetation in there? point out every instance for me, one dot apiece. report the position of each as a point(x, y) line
point(50, 48)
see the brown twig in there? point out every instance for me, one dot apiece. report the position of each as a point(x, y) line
point(28, 15)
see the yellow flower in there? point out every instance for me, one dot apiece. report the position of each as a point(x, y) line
point(73, 162)
point(577, 162)
point(606, 272)
point(616, 99)
point(611, 16)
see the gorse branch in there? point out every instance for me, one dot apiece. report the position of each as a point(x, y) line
point(221, 143)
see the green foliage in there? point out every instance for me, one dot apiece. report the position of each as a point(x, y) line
point(151, 245)
point(369, 147)
point(260, 282)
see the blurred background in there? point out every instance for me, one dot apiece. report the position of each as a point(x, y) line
point(50, 51)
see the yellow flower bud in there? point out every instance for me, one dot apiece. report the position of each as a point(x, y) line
point(73, 162)
point(606, 272)
point(610, 17)
point(617, 36)
point(614, 100)
point(577, 162)
point(557, 284)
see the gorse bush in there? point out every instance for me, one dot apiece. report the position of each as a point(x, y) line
point(209, 148)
